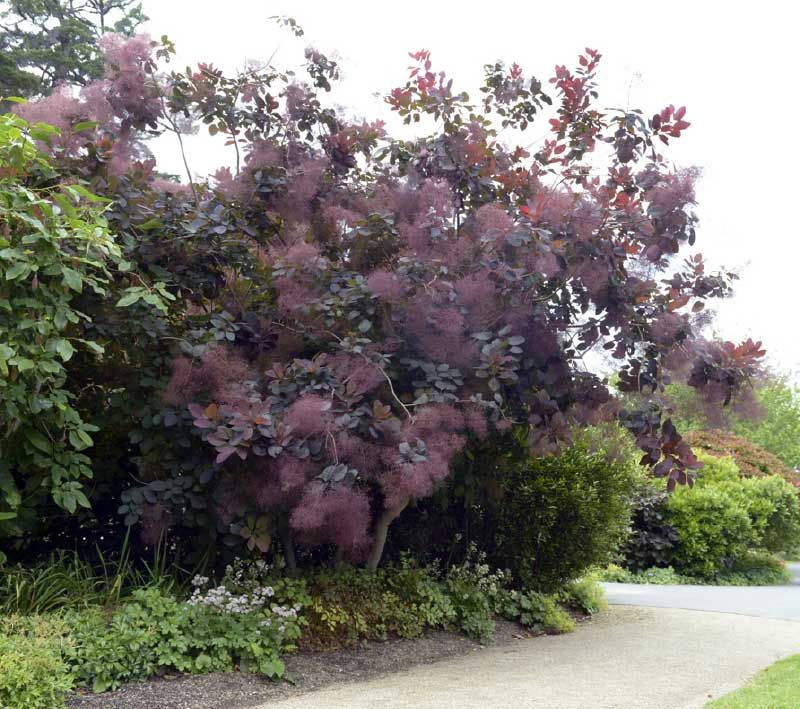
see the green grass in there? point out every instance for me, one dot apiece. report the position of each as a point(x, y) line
point(777, 687)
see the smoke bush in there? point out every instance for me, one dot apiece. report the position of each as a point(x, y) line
point(355, 310)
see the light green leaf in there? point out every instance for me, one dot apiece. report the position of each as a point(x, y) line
point(72, 279)
point(65, 349)
point(80, 440)
point(18, 270)
point(128, 299)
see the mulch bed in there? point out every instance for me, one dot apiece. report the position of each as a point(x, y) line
point(307, 671)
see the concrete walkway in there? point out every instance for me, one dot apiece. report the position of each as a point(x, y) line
point(780, 602)
point(628, 658)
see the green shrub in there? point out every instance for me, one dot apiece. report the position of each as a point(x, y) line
point(560, 515)
point(661, 576)
point(33, 673)
point(713, 526)
point(724, 517)
point(781, 521)
point(755, 569)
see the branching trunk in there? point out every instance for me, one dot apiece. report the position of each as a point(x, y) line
point(381, 530)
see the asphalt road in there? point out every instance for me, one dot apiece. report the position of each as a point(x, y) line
point(778, 602)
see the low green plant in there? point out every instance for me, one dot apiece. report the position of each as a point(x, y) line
point(657, 575)
point(33, 673)
point(214, 631)
point(754, 569)
point(584, 594)
point(68, 579)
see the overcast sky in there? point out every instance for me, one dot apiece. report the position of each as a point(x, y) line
point(734, 65)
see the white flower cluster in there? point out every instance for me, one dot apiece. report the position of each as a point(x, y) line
point(250, 594)
point(223, 600)
point(284, 614)
point(247, 573)
point(476, 571)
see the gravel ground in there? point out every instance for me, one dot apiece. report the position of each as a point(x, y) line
point(629, 658)
point(309, 671)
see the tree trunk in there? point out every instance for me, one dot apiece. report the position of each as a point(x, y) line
point(288, 545)
point(381, 530)
point(337, 557)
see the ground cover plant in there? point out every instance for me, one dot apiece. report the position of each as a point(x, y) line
point(255, 614)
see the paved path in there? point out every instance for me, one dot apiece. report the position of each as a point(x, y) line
point(628, 658)
point(780, 602)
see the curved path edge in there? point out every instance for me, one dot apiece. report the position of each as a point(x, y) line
point(648, 658)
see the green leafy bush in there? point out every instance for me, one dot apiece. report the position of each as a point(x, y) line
point(713, 526)
point(780, 520)
point(214, 631)
point(755, 569)
point(558, 516)
point(33, 673)
point(772, 502)
point(705, 530)
point(55, 248)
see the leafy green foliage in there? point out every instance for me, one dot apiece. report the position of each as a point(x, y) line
point(754, 569)
point(585, 594)
point(773, 504)
point(538, 611)
point(724, 517)
point(778, 429)
point(713, 526)
point(156, 630)
point(55, 251)
point(558, 516)
point(33, 672)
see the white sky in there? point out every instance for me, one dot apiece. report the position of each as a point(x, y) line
point(733, 64)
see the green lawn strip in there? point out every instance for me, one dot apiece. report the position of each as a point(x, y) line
point(777, 687)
